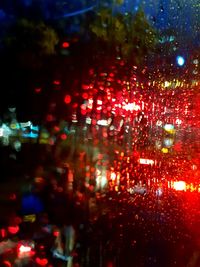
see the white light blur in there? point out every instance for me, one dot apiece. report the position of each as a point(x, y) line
point(178, 121)
point(88, 120)
point(146, 161)
point(168, 127)
point(1, 132)
point(168, 142)
point(159, 192)
point(159, 123)
point(25, 124)
point(131, 107)
point(103, 122)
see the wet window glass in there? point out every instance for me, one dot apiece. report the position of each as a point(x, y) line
point(99, 133)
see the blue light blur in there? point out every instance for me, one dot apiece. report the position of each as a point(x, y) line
point(31, 204)
point(180, 60)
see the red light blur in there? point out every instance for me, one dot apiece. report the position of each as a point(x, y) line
point(75, 105)
point(63, 136)
point(41, 262)
point(56, 233)
point(49, 117)
point(17, 220)
point(65, 45)
point(67, 99)
point(56, 128)
point(85, 95)
point(13, 229)
point(83, 112)
point(85, 86)
point(109, 264)
point(13, 196)
point(56, 82)
point(3, 233)
point(38, 90)
point(7, 263)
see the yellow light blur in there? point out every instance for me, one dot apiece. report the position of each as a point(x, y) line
point(167, 84)
point(165, 150)
point(172, 131)
point(30, 218)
